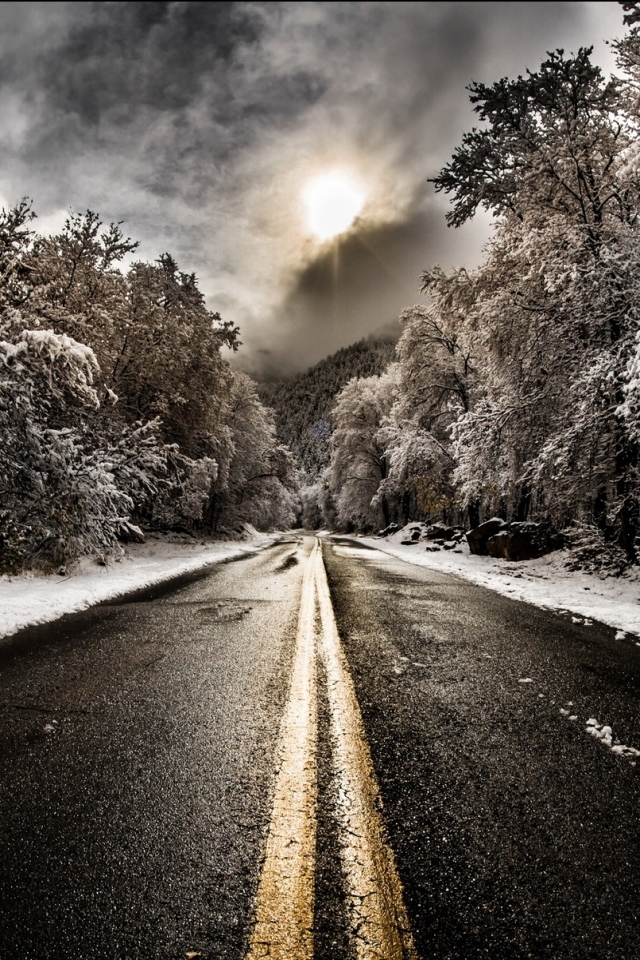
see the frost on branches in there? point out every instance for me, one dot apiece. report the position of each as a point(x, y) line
point(116, 405)
point(517, 386)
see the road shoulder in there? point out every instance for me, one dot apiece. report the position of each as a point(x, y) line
point(614, 601)
point(28, 600)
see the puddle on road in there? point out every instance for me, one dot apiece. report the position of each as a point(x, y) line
point(224, 612)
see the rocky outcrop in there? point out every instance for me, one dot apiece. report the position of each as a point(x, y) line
point(523, 541)
point(480, 536)
point(513, 541)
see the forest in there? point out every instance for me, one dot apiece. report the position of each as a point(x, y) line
point(303, 403)
point(515, 389)
point(117, 406)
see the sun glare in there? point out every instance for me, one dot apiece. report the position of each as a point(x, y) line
point(332, 203)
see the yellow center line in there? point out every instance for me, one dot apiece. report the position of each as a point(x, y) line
point(377, 914)
point(283, 923)
point(283, 927)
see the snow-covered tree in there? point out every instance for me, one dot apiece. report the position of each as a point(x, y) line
point(434, 378)
point(58, 499)
point(116, 404)
point(552, 315)
point(358, 463)
point(258, 481)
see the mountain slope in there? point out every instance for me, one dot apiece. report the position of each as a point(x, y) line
point(303, 403)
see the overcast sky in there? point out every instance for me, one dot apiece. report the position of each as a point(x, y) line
point(201, 124)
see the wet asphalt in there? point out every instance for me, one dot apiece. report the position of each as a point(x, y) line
point(137, 749)
point(516, 834)
point(134, 827)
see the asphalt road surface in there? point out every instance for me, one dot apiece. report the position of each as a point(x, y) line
point(285, 757)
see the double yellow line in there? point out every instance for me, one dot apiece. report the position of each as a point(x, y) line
point(377, 918)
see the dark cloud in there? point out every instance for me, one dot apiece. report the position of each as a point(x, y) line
point(200, 123)
point(357, 286)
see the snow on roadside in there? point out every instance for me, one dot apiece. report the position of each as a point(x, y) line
point(544, 582)
point(29, 599)
point(604, 734)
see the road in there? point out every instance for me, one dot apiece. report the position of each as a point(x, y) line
point(292, 756)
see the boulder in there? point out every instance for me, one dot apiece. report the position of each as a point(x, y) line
point(129, 533)
point(523, 541)
point(478, 538)
point(388, 530)
point(438, 531)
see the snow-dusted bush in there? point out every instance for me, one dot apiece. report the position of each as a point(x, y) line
point(59, 500)
point(589, 550)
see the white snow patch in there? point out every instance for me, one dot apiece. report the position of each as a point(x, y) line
point(604, 734)
point(29, 599)
point(544, 582)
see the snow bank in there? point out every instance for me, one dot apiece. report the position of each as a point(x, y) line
point(30, 599)
point(544, 582)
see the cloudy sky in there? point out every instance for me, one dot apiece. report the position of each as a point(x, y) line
point(207, 127)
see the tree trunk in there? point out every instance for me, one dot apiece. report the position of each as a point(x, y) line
point(626, 464)
point(600, 509)
point(524, 503)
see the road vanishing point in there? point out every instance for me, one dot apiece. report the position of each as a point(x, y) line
point(318, 751)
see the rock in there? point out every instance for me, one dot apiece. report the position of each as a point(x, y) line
point(408, 543)
point(130, 533)
point(388, 530)
point(431, 548)
point(449, 544)
point(477, 538)
point(498, 545)
point(523, 541)
point(438, 531)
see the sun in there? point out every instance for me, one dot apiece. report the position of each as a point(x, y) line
point(332, 202)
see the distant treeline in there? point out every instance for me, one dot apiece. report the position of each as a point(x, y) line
point(303, 403)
